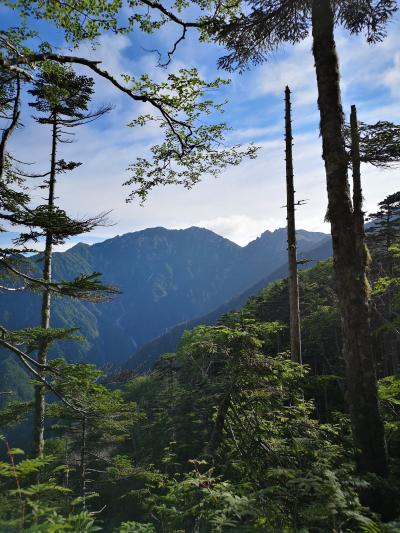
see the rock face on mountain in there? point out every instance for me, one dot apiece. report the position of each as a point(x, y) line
point(165, 276)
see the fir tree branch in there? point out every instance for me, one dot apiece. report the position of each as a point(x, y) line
point(19, 353)
point(169, 14)
point(83, 287)
point(28, 362)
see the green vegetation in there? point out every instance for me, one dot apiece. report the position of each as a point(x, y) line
point(228, 432)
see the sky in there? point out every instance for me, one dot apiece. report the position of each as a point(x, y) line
point(246, 200)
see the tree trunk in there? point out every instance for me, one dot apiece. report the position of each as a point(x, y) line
point(358, 215)
point(350, 269)
point(7, 132)
point(40, 390)
point(216, 434)
point(83, 462)
point(389, 239)
point(295, 336)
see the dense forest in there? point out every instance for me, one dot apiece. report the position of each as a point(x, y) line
point(226, 434)
point(280, 415)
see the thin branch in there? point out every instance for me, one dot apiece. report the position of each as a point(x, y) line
point(171, 52)
point(12, 289)
point(20, 353)
point(60, 58)
point(170, 14)
point(26, 277)
point(27, 361)
point(29, 59)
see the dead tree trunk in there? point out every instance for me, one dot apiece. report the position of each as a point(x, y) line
point(358, 214)
point(295, 336)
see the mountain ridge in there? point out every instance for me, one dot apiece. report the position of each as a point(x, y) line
point(166, 277)
point(145, 357)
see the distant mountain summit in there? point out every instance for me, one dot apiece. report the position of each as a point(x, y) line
point(166, 277)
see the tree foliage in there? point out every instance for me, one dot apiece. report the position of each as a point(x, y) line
point(226, 434)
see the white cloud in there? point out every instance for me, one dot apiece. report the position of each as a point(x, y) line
point(392, 76)
point(238, 228)
point(254, 133)
point(246, 200)
point(294, 68)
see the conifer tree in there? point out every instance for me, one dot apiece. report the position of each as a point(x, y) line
point(385, 230)
point(10, 101)
point(13, 198)
point(383, 238)
point(61, 98)
point(92, 436)
point(379, 143)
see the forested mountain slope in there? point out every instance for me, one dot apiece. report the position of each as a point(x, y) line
point(149, 353)
point(165, 276)
point(228, 424)
point(228, 397)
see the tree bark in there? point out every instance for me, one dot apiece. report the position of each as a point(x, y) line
point(40, 390)
point(295, 334)
point(7, 132)
point(83, 462)
point(350, 269)
point(358, 214)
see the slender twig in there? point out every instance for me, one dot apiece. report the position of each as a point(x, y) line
point(170, 14)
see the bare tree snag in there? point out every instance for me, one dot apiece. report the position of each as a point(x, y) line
point(295, 335)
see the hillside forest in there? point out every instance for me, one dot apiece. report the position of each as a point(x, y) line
point(172, 381)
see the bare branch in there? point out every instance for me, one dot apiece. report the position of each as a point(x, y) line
point(169, 14)
point(12, 289)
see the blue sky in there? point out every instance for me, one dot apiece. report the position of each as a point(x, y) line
point(246, 200)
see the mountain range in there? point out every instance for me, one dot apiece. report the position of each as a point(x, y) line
point(168, 279)
point(146, 356)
